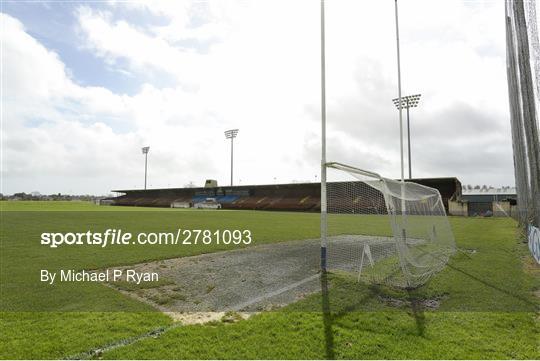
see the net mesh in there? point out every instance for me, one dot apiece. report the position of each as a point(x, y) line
point(523, 75)
point(384, 231)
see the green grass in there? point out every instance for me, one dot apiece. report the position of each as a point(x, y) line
point(131, 286)
point(488, 309)
point(373, 335)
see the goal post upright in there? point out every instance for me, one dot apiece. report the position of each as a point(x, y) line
point(324, 221)
point(400, 109)
point(399, 94)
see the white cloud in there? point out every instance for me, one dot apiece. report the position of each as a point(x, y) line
point(121, 40)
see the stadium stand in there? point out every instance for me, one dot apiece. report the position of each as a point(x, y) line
point(280, 197)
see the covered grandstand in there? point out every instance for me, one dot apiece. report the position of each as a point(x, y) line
point(278, 197)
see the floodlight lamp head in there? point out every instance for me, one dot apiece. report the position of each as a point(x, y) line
point(414, 100)
point(408, 101)
point(145, 150)
point(231, 133)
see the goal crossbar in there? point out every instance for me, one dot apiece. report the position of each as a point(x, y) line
point(348, 168)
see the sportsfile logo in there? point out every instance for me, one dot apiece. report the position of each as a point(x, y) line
point(112, 237)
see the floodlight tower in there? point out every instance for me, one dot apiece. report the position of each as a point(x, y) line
point(408, 101)
point(231, 134)
point(145, 151)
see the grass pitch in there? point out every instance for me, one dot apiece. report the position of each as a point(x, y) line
point(487, 303)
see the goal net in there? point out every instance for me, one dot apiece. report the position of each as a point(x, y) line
point(385, 231)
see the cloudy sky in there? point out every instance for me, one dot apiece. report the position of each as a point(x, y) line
point(86, 84)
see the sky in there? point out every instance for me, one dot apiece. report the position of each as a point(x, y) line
point(86, 84)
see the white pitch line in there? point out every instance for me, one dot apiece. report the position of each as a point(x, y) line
point(274, 293)
point(160, 330)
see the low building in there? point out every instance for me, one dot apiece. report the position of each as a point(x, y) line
point(485, 202)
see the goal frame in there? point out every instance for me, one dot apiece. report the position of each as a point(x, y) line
point(324, 164)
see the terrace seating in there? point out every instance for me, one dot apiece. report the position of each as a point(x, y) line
point(301, 203)
point(285, 197)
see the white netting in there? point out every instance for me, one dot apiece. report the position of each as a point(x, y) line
point(523, 74)
point(384, 231)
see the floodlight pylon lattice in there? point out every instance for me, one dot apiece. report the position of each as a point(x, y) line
point(385, 231)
